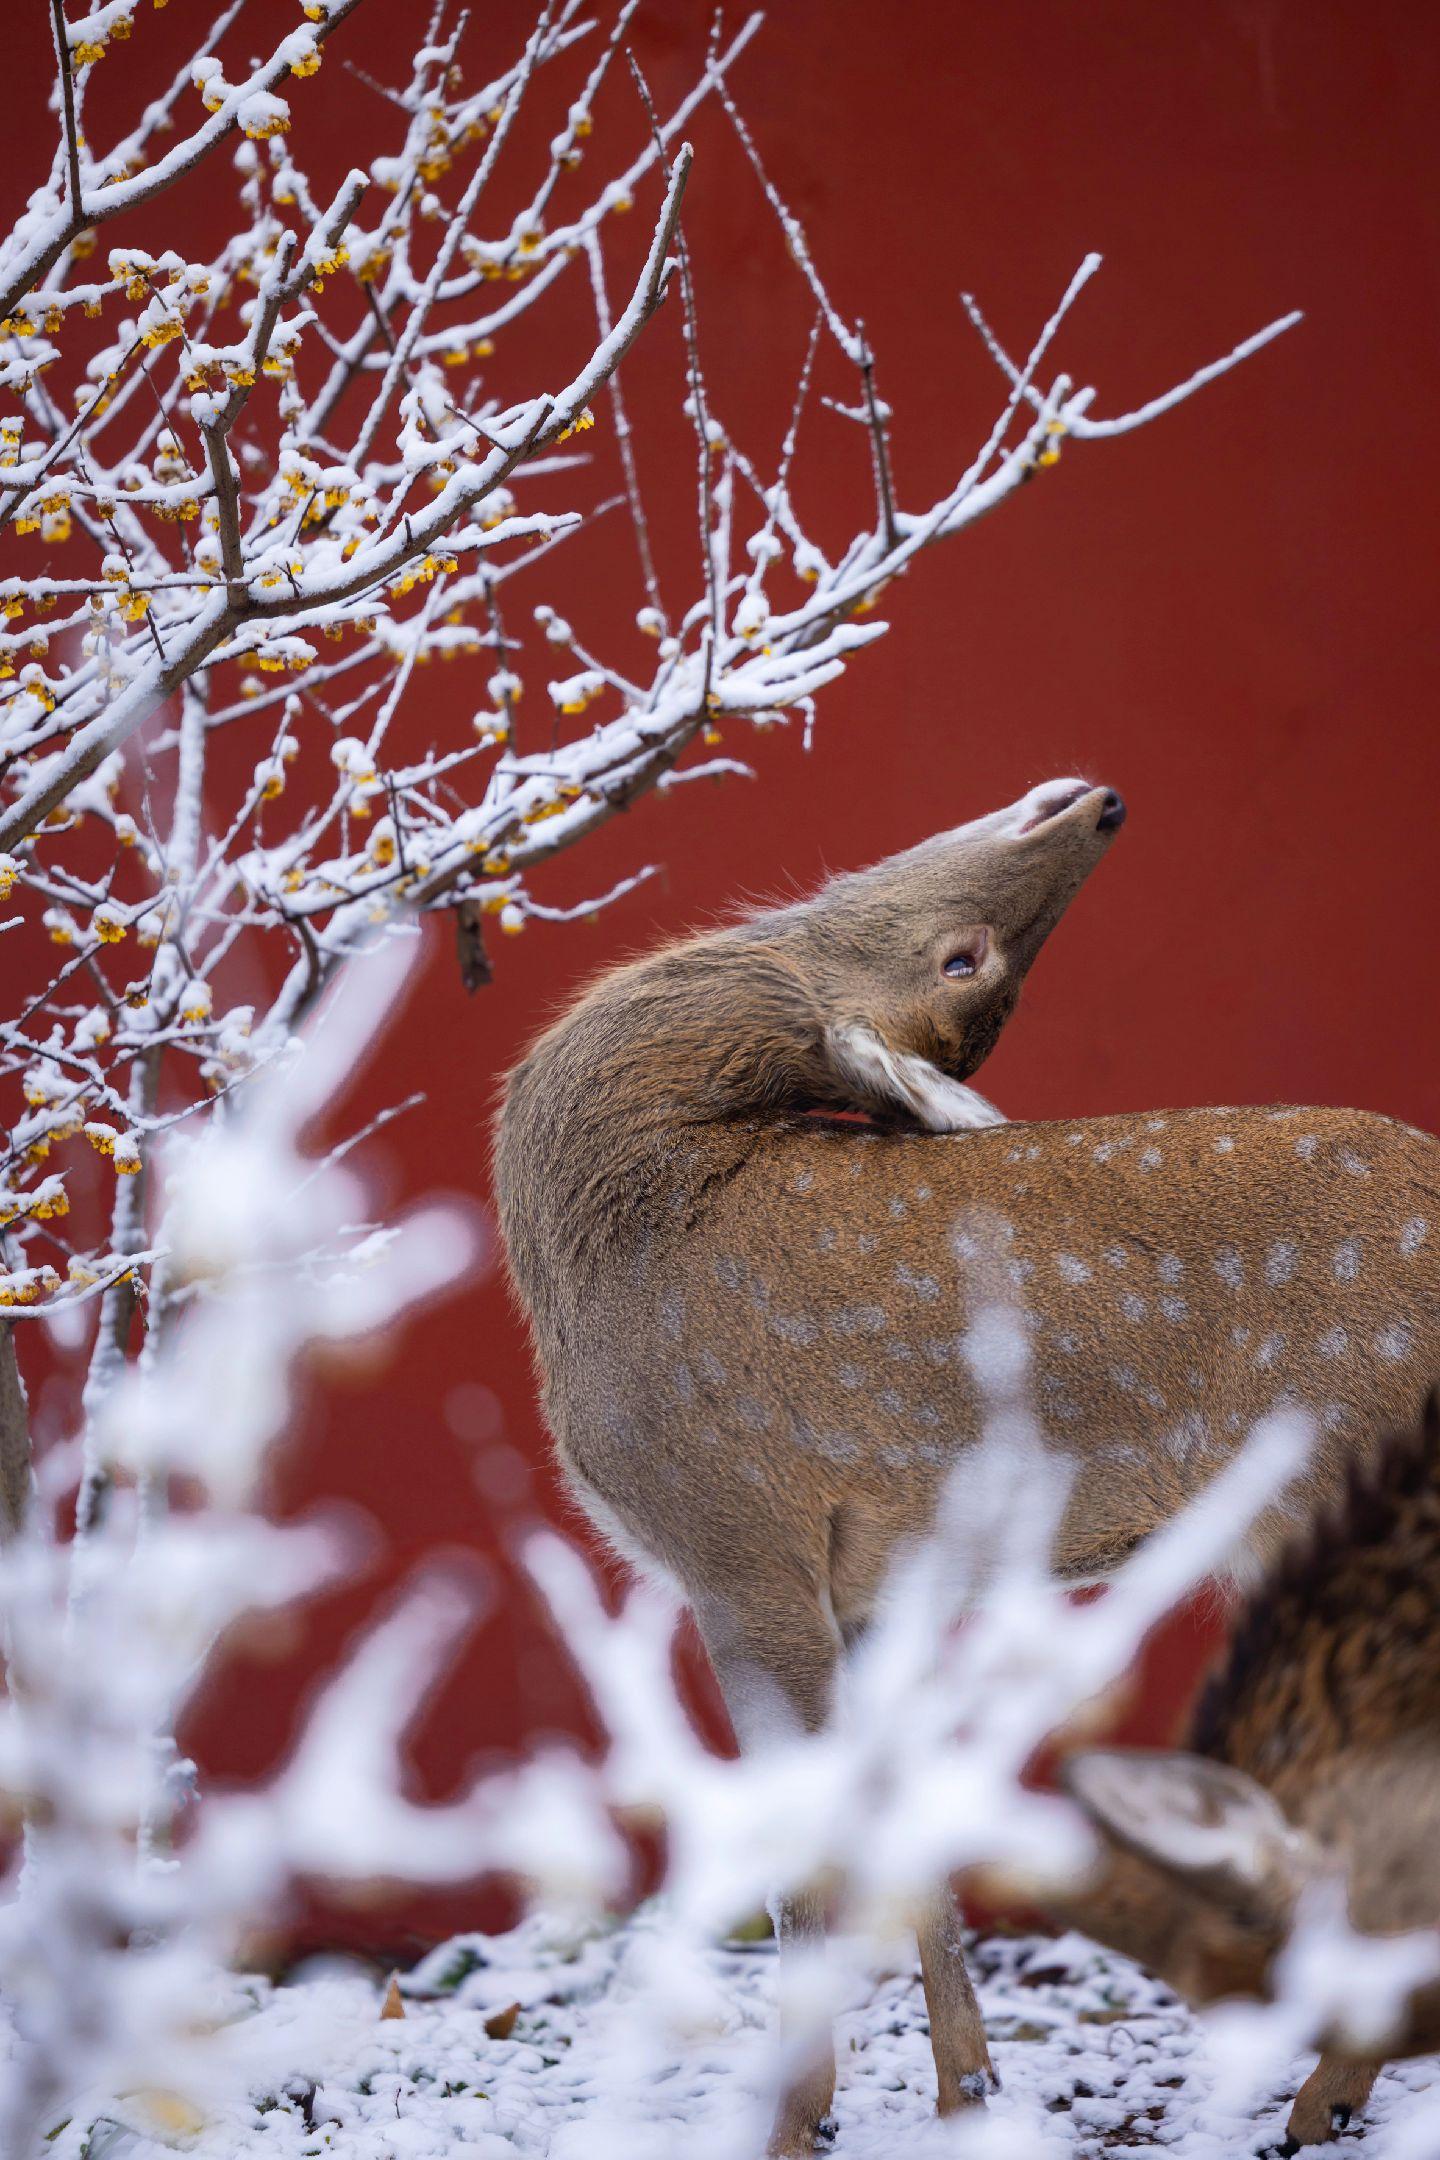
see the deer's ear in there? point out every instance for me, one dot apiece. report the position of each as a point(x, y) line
point(1209, 1826)
point(870, 1075)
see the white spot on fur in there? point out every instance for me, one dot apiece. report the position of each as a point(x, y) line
point(1170, 1267)
point(1281, 1262)
point(825, 1241)
point(866, 1242)
point(1067, 1342)
point(1126, 1377)
point(1225, 1145)
point(1020, 1271)
point(1188, 1437)
point(1117, 1256)
point(1150, 1158)
point(711, 1371)
point(1104, 1151)
point(898, 1209)
point(1230, 1267)
point(858, 1320)
point(1413, 1236)
point(1346, 1263)
point(1268, 1352)
point(1333, 1343)
point(1355, 1164)
point(1307, 1145)
point(1133, 1307)
point(1174, 1308)
point(1394, 1342)
point(672, 1314)
point(1070, 1269)
point(923, 1192)
point(1155, 1124)
point(1239, 1336)
point(803, 1180)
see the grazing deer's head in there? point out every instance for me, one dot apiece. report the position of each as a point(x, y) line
point(1199, 1872)
point(917, 962)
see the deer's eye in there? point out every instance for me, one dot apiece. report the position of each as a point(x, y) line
point(959, 965)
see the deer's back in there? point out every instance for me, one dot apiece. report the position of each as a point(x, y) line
point(775, 1357)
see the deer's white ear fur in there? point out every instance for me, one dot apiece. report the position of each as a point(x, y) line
point(1203, 1821)
point(883, 1078)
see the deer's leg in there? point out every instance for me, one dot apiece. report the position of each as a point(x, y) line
point(964, 2073)
point(777, 1674)
point(1335, 2090)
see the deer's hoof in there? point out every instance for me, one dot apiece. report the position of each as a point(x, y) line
point(1314, 2122)
point(796, 2136)
point(970, 2091)
point(1310, 2131)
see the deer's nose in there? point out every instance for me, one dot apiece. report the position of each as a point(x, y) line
point(1112, 812)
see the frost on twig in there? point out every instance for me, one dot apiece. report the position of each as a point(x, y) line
point(114, 1938)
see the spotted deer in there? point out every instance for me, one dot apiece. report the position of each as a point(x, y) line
point(1313, 1758)
point(748, 1312)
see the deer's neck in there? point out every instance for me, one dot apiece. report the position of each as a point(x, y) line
point(637, 1102)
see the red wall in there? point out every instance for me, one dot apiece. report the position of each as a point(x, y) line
point(1229, 616)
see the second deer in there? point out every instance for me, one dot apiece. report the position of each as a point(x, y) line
point(1313, 1759)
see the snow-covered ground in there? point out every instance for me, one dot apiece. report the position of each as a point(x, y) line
point(1094, 2058)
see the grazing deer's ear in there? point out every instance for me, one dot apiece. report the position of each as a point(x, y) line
point(1209, 1826)
point(872, 1076)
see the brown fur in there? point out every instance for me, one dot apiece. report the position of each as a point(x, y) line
point(748, 1319)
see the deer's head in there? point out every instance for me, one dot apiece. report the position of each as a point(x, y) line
point(1199, 1871)
point(917, 962)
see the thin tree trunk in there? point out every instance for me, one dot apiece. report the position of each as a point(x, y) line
point(14, 1438)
